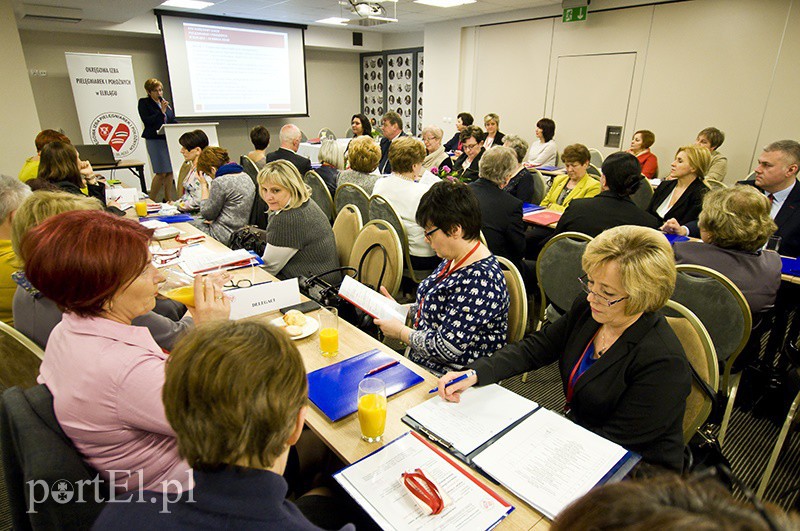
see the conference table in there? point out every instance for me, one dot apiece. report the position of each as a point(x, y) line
point(134, 166)
point(344, 437)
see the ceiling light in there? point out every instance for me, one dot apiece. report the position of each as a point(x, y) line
point(444, 3)
point(187, 4)
point(337, 21)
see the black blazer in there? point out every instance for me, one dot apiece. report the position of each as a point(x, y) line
point(501, 215)
point(471, 173)
point(634, 395)
point(593, 215)
point(383, 166)
point(686, 209)
point(153, 118)
point(302, 164)
point(452, 144)
point(498, 139)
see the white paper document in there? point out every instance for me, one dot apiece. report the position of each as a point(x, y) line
point(216, 262)
point(549, 461)
point(482, 413)
point(371, 301)
point(374, 482)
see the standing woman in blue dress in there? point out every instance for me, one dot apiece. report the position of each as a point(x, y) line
point(154, 112)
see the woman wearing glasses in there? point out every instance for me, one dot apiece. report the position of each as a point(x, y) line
point(624, 372)
point(467, 164)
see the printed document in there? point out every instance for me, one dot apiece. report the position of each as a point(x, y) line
point(371, 301)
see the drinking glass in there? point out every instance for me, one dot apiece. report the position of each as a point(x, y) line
point(141, 208)
point(372, 409)
point(179, 286)
point(329, 332)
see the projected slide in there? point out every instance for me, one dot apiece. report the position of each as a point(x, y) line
point(221, 68)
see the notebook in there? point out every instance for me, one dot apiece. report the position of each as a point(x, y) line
point(542, 217)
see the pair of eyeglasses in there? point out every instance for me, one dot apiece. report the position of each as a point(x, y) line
point(243, 282)
point(430, 233)
point(165, 257)
point(588, 290)
point(469, 146)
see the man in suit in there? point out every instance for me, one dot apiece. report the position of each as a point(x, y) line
point(290, 140)
point(392, 127)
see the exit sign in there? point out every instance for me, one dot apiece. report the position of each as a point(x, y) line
point(575, 14)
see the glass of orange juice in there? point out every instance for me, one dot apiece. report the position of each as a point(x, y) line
point(329, 332)
point(372, 409)
point(178, 286)
point(141, 208)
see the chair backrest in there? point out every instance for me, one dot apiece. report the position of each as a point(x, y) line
point(701, 355)
point(593, 170)
point(751, 176)
point(249, 168)
point(19, 359)
point(352, 194)
point(382, 233)
point(558, 269)
point(538, 177)
point(303, 137)
point(380, 208)
point(346, 228)
point(596, 158)
point(34, 448)
point(719, 305)
point(320, 193)
point(643, 194)
point(713, 184)
point(326, 134)
point(517, 298)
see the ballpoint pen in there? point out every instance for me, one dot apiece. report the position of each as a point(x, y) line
point(376, 370)
point(454, 380)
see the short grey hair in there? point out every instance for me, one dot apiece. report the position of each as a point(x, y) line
point(497, 164)
point(434, 130)
point(518, 144)
point(789, 147)
point(12, 193)
point(329, 152)
point(290, 133)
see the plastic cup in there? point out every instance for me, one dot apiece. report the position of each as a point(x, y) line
point(329, 332)
point(141, 208)
point(372, 409)
point(178, 286)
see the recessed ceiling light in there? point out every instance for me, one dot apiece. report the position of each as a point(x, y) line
point(337, 21)
point(444, 3)
point(187, 4)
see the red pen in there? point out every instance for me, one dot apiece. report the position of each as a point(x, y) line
point(376, 370)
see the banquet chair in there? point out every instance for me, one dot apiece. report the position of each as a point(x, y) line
point(19, 359)
point(595, 157)
point(701, 355)
point(379, 208)
point(346, 228)
point(643, 194)
point(593, 170)
point(377, 253)
point(791, 418)
point(249, 168)
point(517, 300)
point(326, 134)
point(714, 184)
point(351, 194)
point(537, 176)
point(320, 193)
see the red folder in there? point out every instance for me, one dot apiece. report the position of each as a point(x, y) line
point(542, 217)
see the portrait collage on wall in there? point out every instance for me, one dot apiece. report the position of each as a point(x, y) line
point(392, 81)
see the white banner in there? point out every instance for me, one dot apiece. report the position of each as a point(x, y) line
point(105, 98)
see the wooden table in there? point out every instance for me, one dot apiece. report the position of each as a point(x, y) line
point(344, 437)
point(134, 166)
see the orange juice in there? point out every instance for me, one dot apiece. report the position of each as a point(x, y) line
point(183, 294)
point(329, 342)
point(141, 208)
point(372, 416)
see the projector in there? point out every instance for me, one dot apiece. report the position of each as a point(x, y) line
point(366, 9)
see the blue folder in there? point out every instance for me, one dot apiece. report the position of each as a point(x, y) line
point(527, 208)
point(790, 266)
point(176, 218)
point(675, 238)
point(334, 389)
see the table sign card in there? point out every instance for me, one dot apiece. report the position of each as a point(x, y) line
point(263, 298)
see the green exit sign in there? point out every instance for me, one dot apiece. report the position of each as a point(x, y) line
point(575, 14)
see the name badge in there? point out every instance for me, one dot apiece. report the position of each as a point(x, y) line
point(263, 298)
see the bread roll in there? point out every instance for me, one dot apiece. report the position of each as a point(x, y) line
point(293, 317)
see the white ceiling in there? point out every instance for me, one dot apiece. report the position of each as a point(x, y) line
point(411, 16)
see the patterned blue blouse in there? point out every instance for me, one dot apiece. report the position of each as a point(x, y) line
point(463, 316)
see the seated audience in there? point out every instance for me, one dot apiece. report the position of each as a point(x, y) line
point(453, 145)
point(31, 167)
point(640, 147)
point(712, 138)
point(259, 137)
point(105, 374)
point(575, 184)
point(468, 281)
point(300, 240)
point(432, 137)
point(613, 206)
point(403, 189)
point(36, 315)
point(332, 163)
point(235, 394)
point(493, 135)
point(501, 213)
point(544, 151)
point(522, 185)
point(637, 377)
point(680, 196)
point(392, 128)
point(226, 201)
point(734, 226)
point(192, 144)
point(13, 193)
point(360, 126)
point(363, 156)
point(467, 164)
point(60, 167)
point(669, 502)
point(290, 136)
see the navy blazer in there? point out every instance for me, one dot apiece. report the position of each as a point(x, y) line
point(383, 166)
point(470, 174)
point(593, 215)
point(452, 144)
point(687, 208)
point(302, 164)
point(153, 118)
point(634, 395)
point(501, 220)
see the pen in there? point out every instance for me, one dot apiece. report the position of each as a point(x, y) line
point(376, 370)
point(454, 380)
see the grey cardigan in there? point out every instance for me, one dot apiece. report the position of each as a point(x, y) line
point(230, 198)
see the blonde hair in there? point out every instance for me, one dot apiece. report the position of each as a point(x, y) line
point(329, 152)
point(492, 117)
point(152, 84)
point(283, 173)
point(404, 152)
point(645, 260)
point(363, 154)
point(737, 218)
point(698, 157)
point(433, 130)
point(41, 205)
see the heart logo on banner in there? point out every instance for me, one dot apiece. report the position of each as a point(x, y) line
point(121, 134)
point(104, 130)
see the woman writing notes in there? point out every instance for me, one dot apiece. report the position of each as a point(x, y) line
point(624, 372)
point(467, 164)
point(154, 112)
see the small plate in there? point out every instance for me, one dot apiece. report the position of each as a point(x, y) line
point(311, 326)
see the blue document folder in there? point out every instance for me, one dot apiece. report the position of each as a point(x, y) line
point(527, 208)
point(175, 218)
point(791, 266)
point(334, 389)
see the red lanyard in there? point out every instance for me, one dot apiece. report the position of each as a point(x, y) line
point(572, 378)
point(443, 274)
